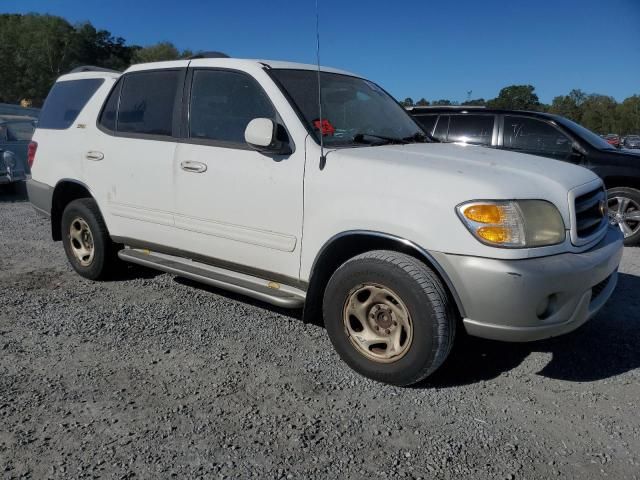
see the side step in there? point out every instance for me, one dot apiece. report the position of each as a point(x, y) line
point(258, 288)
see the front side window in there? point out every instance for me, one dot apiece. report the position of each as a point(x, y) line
point(427, 122)
point(146, 102)
point(476, 129)
point(223, 103)
point(354, 110)
point(535, 136)
point(65, 102)
point(442, 128)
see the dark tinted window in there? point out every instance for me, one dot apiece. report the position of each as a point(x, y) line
point(427, 122)
point(223, 103)
point(476, 129)
point(535, 136)
point(146, 102)
point(442, 127)
point(110, 109)
point(65, 101)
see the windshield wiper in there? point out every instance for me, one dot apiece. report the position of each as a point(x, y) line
point(419, 137)
point(360, 138)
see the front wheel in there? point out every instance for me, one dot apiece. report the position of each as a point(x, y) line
point(624, 212)
point(389, 317)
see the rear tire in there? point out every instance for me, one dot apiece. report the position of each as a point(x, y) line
point(389, 317)
point(624, 212)
point(87, 242)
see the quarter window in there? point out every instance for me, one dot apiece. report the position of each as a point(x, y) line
point(110, 110)
point(223, 103)
point(476, 129)
point(65, 102)
point(535, 136)
point(147, 101)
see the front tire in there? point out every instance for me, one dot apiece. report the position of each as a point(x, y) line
point(624, 212)
point(389, 317)
point(87, 242)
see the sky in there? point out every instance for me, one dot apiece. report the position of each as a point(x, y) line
point(413, 48)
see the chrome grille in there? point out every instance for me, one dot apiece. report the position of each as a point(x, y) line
point(591, 212)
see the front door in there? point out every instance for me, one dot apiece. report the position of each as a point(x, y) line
point(234, 205)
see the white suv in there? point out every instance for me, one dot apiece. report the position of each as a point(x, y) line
point(211, 169)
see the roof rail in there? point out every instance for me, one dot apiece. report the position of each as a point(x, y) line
point(452, 107)
point(208, 55)
point(91, 68)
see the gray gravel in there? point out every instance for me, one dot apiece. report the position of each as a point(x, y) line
point(157, 377)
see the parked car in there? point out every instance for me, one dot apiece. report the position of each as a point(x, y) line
point(631, 142)
point(613, 139)
point(15, 135)
point(551, 136)
point(224, 171)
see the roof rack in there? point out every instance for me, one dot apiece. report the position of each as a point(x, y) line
point(208, 55)
point(91, 68)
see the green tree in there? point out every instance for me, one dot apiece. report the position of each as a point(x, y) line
point(442, 102)
point(478, 102)
point(423, 102)
point(628, 115)
point(407, 102)
point(570, 106)
point(599, 113)
point(156, 53)
point(517, 97)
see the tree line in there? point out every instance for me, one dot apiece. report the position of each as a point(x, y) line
point(36, 49)
point(600, 113)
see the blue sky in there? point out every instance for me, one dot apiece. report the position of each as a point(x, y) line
point(416, 48)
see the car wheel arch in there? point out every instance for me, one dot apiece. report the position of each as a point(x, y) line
point(65, 191)
point(348, 244)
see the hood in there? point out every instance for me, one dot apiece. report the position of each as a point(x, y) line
point(480, 170)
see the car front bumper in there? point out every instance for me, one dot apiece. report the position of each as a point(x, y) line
point(537, 298)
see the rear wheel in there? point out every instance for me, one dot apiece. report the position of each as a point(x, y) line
point(389, 317)
point(624, 212)
point(86, 240)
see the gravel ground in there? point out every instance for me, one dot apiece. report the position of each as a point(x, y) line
point(155, 377)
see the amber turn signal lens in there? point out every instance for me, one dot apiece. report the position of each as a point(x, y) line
point(494, 234)
point(484, 213)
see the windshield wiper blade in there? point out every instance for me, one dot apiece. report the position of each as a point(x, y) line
point(359, 138)
point(418, 137)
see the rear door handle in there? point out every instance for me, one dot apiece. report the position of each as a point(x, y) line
point(193, 167)
point(94, 155)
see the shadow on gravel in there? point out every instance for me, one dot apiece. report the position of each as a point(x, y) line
point(603, 348)
point(286, 312)
point(14, 192)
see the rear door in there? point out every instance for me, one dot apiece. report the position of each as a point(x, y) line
point(130, 161)
point(234, 205)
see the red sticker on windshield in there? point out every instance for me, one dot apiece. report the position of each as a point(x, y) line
point(325, 127)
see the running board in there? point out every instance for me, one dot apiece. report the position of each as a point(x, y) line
point(254, 287)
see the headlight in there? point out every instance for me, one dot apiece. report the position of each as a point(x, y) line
point(513, 224)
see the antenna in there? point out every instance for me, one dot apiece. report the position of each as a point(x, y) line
point(323, 158)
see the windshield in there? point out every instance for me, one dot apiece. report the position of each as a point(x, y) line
point(354, 110)
point(595, 140)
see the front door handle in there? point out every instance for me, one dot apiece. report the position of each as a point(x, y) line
point(193, 167)
point(94, 155)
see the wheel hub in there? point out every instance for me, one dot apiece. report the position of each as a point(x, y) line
point(81, 241)
point(378, 323)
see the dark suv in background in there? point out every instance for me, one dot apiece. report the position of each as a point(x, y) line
point(547, 135)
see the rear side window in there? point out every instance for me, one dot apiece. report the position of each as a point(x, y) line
point(65, 102)
point(110, 109)
point(427, 122)
point(146, 102)
point(223, 103)
point(476, 129)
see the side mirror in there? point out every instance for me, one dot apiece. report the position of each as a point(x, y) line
point(262, 135)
